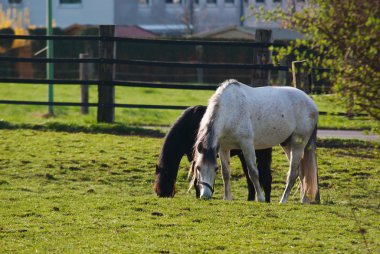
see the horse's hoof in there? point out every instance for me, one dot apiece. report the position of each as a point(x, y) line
point(261, 199)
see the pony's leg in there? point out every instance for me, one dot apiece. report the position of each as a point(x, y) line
point(251, 188)
point(264, 160)
point(226, 174)
point(250, 159)
point(294, 169)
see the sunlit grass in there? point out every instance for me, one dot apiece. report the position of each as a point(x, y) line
point(93, 193)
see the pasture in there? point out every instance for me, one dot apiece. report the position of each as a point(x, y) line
point(69, 186)
point(64, 192)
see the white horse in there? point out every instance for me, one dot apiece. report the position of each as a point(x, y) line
point(241, 117)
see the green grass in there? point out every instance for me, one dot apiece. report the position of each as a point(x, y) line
point(330, 103)
point(140, 117)
point(93, 193)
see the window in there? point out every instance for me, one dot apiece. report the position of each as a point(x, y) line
point(144, 2)
point(277, 1)
point(70, 1)
point(229, 2)
point(173, 1)
point(15, 1)
point(260, 1)
point(211, 2)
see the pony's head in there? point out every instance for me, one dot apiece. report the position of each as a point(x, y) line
point(164, 183)
point(205, 169)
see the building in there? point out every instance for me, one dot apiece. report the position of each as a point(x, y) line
point(165, 17)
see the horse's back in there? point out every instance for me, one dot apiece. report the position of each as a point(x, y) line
point(270, 114)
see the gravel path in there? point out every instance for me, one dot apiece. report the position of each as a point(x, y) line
point(347, 134)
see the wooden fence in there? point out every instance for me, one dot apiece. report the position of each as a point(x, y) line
point(105, 62)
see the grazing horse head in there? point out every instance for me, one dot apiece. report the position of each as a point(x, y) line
point(206, 166)
point(164, 183)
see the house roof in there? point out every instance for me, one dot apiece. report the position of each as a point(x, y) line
point(231, 32)
point(134, 31)
point(120, 31)
point(77, 29)
point(167, 29)
point(248, 33)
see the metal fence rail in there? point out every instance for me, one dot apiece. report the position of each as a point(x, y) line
point(108, 83)
point(148, 63)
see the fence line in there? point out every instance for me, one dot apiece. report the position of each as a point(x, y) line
point(109, 82)
point(148, 63)
point(144, 40)
point(79, 104)
point(122, 105)
point(109, 60)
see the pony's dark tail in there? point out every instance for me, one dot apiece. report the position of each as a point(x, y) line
point(309, 171)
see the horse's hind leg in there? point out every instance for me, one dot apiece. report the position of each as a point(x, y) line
point(294, 169)
point(250, 159)
point(225, 160)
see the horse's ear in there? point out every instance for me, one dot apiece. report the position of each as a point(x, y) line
point(200, 147)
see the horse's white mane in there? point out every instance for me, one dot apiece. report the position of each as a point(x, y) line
point(206, 131)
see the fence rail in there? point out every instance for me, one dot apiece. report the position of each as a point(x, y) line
point(145, 41)
point(148, 63)
point(79, 104)
point(108, 83)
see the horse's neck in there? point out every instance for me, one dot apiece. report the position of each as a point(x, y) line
point(181, 138)
point(172, 150)
point(179, 141)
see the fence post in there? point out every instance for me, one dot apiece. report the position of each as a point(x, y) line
point(261, 56)
point(106, 90)
point(84, 75)
point(301, 77)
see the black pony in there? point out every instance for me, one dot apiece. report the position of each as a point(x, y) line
point(180, 141)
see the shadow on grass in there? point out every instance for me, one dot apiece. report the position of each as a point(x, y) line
point(346, 143)
point(117, 128)
point(123, 129)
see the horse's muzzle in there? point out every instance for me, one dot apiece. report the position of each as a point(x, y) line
point(206, 190)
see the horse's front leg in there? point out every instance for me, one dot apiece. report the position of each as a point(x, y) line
point(250, 159)
point(226, 173)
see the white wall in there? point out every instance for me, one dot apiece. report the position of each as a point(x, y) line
point(89, 12)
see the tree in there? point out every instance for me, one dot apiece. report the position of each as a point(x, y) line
point(343, 36)
point(14, 21)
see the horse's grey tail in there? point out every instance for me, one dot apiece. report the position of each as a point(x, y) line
point(309, 171)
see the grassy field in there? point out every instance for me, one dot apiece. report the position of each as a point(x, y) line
point(93, 193)
point(71, 115)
